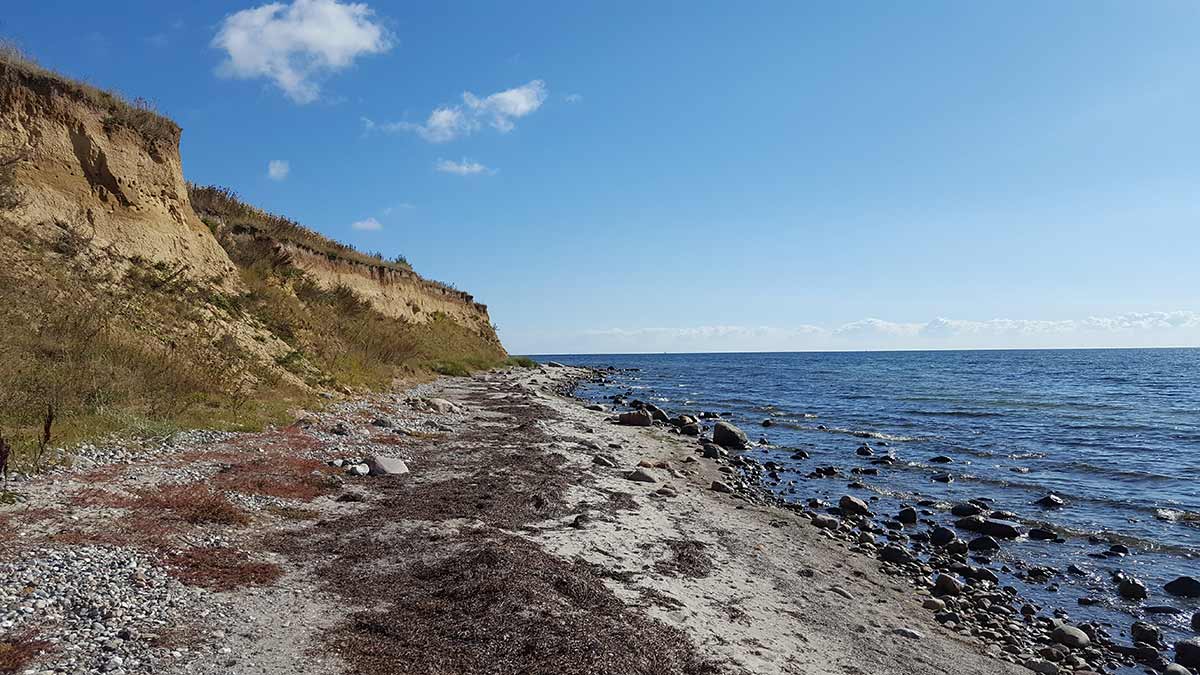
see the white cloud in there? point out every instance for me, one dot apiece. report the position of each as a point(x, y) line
point(1138, 329)
point(573, 98)
point(278, 169)
point(448, 122)
point(464, 168)
point(295, 45)
point(367, 225)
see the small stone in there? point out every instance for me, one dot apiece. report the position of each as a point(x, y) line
point(604, 461)
point(908, 633)
point(934, 604)
point(718, 486)
point(1132, 589)
point(358, 470)
point(908, 516)
point(641, 475)
point(842, 592)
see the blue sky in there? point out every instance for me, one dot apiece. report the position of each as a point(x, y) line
point(692, 176)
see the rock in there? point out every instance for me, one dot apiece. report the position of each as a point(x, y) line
point(1041, 666)
point(965, 510)
point(340, 429)
point(945, 584)
point(597, 407)
point(1187, 653)
point(942, 478)
point(727, 435)
point(636, 418)
point(1184, 587)
point(824, 522)
point(641, 475)
point(712, 451)
point(690, 429)
point(656, 413)
point(800, 454)
point(383, 423)
point(718, 486)
point(441, 405)
point(358, 470)
point(1002, 529)
point(581, 521)
point(896, 554)
point(1070, 636)
point(1196, 622)
point(908, 516)
point(604, 461)
point(908, 633)
point(1141, 631)
point(1176, 669)
point(1051, 501)
point(382, 465)
point(984, 543)
point(842, 592)
point(768, 422)
point(864, 450)
point(554, 364)
point(942, 536)
point(1132, 589)
point(1039, 534)
point(934, 604)
point(941, 459)
point(854, 506)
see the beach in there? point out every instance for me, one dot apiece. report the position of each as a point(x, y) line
point(525, 533)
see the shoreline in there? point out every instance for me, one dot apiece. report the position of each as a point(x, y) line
point(514, 491)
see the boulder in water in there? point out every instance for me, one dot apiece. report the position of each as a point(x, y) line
point(1051, 501)
point(1071, 637)
point(854, 506)
point(727, 435)
point(1184, 587)
point(1187, 653)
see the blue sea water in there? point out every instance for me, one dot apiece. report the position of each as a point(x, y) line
point(1114, 432)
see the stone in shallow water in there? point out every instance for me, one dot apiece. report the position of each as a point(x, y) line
point(727, 435)
point(1186, 587)
point(1071, 637)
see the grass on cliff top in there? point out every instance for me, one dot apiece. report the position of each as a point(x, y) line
point(18, 69)
point(224, 203)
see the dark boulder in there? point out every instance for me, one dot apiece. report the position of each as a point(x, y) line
point(1039, 534)
point(941, 459)
point(983, 544)
point(965, 510)
point(854, 506)
point(1184, 587)
point(1051, 501)
point(941, 536)
point(896, 554)
point(908, 516)
point(1187, 653)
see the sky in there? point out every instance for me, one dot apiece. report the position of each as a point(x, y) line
point(705, 176)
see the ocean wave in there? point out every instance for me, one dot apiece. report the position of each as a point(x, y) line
point(953, 413)
point(879, 435)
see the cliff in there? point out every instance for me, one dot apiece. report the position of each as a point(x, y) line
point(121, 306)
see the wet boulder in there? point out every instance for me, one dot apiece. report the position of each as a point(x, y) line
point(727, 435)
point(1184, 587)
point(854, 506)
point(1187, 653)
point(1051, 501)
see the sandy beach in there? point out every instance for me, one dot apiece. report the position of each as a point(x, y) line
point(516, 542)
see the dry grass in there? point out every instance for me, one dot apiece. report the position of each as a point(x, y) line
point(19, 69)
point(254, 222)
point(220, 569)
point(19, 651)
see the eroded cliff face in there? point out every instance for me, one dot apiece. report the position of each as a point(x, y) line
point(398, 293)
point(113, 179)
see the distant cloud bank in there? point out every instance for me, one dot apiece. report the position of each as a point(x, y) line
point(1138, 329)
point(295, 45)
point(367, 225)
point(448, 122)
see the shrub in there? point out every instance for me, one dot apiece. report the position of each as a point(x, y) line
point(521, 362)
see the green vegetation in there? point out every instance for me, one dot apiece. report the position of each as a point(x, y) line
point(521, 362)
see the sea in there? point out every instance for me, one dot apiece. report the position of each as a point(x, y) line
point(1113, 432)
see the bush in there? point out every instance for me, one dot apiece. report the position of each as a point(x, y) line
point(521, 362)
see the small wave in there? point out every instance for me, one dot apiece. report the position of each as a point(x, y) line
point(1178, 516)
point(864, 434)
point(953, 413)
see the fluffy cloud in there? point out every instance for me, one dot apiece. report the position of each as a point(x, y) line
point(278, 169)
point(294, 45)
point(448, 122)
point(367, 225)
point(464, 168)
